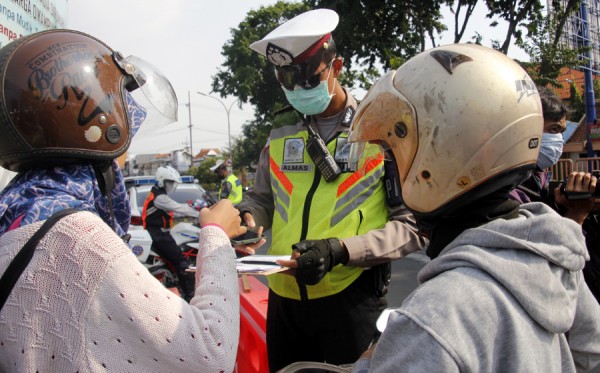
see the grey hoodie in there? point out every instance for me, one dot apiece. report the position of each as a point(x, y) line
point(508, 296)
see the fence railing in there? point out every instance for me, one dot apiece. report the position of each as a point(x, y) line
point(565, 166)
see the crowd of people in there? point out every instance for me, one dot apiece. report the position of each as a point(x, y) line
point(447, 154)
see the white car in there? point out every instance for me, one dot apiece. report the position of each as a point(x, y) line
point(138, 188)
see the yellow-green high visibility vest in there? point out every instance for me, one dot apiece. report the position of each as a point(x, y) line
point(308, 207)
point(235, 194)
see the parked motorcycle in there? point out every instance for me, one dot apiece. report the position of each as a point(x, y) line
point(186, 236)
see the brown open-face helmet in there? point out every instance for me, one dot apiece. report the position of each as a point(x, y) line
point(64, 99)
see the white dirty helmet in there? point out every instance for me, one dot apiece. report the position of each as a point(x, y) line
point(461, 121)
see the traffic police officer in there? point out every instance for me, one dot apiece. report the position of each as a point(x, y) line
point(231, 187)
point(335, 220)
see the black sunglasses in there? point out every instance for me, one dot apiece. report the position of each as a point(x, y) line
point(295, 75)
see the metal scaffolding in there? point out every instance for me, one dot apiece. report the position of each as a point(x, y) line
point(583, 30)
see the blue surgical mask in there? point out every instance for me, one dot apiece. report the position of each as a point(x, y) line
point(310, 101)
point(551, 150)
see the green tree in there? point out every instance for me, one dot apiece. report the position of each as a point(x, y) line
point(254, 137)
point(460, 23)
point(517, 14)
point(206, 178)
point(379, 35)
point(247, 75)
point(371, 36)
point(596, 88)
point(576, 103)
point(543, 45)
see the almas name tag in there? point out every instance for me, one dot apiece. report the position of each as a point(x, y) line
point(296, 167)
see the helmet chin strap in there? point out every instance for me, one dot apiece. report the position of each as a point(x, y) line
point(106, 182)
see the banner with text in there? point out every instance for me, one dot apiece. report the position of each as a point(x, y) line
point(23, 17)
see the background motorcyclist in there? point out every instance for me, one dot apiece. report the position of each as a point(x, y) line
point(231, 187)
point(157, 215)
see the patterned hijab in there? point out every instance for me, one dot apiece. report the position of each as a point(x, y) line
point(34, 195)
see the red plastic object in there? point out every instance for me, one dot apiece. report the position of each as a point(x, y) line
point(136, 220)
point(252, 349)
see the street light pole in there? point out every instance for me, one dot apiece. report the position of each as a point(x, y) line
point(228, 111)
point(191, 143)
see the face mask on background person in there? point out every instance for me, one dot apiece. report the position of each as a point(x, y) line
point(550, 151)
point(170, 186)
point(310, 101)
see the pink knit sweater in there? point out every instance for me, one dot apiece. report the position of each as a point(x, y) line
point(86, 304)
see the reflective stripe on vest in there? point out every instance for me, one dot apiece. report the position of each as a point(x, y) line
point(235, 194)
point(351, 205)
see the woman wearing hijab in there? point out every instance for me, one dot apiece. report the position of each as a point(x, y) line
point(80, 300)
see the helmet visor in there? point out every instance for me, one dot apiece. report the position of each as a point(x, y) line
point(394, 129)
point(356, 154)
point(151, 90)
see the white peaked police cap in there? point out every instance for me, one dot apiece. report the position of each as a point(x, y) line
point(220, 163)
point(298, 39)
point(217, 165)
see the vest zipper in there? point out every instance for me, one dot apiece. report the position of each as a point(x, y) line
point(305, 214)
point(308, 203)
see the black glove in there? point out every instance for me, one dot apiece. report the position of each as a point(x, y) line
point(317, 257)
point(242, 212)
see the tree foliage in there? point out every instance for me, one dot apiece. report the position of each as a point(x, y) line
point(245, 73)
point(381, 33)
point(576, 102)
point(516, 13)
point(248, 146)
point(461, 21)
point(371, 36)
point(543, 45)
point(207, 179)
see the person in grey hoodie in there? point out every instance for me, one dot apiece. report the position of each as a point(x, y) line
point(504, 291)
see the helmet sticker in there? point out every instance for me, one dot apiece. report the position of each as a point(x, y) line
point(534, 143)
point(525, 87)
point(52, 76)
point(463, 182)
point(93, 134)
